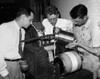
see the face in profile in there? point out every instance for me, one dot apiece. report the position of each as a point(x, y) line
point(79, 21)
point(52, 19)
point(28, 20)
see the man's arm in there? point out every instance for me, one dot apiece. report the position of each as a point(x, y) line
point(93, 50)
point(3, 69)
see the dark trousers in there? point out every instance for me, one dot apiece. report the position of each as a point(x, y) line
point(39, 67)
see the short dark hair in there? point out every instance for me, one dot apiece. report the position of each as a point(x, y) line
point(26, 11)
point(79, 10)
point(52, 10)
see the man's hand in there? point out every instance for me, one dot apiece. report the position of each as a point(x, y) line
point(72, 45)
point(56, 30)
point(6, 77)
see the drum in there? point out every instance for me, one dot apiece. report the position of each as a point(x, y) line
point(68, 62)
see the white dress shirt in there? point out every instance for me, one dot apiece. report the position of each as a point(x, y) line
point(96, 34)
point(84, 33)
point(9, 41)
point(64, 24)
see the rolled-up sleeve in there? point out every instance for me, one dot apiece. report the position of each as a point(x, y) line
point(3, 69)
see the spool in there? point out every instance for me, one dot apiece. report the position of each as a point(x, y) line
point(68, 61)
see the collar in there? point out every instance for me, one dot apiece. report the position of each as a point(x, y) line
point(87, 23)
point(51, 24)
point(16, 25)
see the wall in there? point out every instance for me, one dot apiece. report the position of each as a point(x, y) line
point(65, 6)
point(7, 1)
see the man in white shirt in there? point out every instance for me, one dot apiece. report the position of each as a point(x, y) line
point(9, 42)
point(85, 31)
point(52, 21)
point(63, 24)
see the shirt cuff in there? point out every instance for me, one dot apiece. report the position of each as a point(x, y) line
point(4, 73)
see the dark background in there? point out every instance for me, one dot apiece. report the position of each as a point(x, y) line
point(8, 8)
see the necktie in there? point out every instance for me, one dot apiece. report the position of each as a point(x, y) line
point(22, 62)
point(20, 43)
